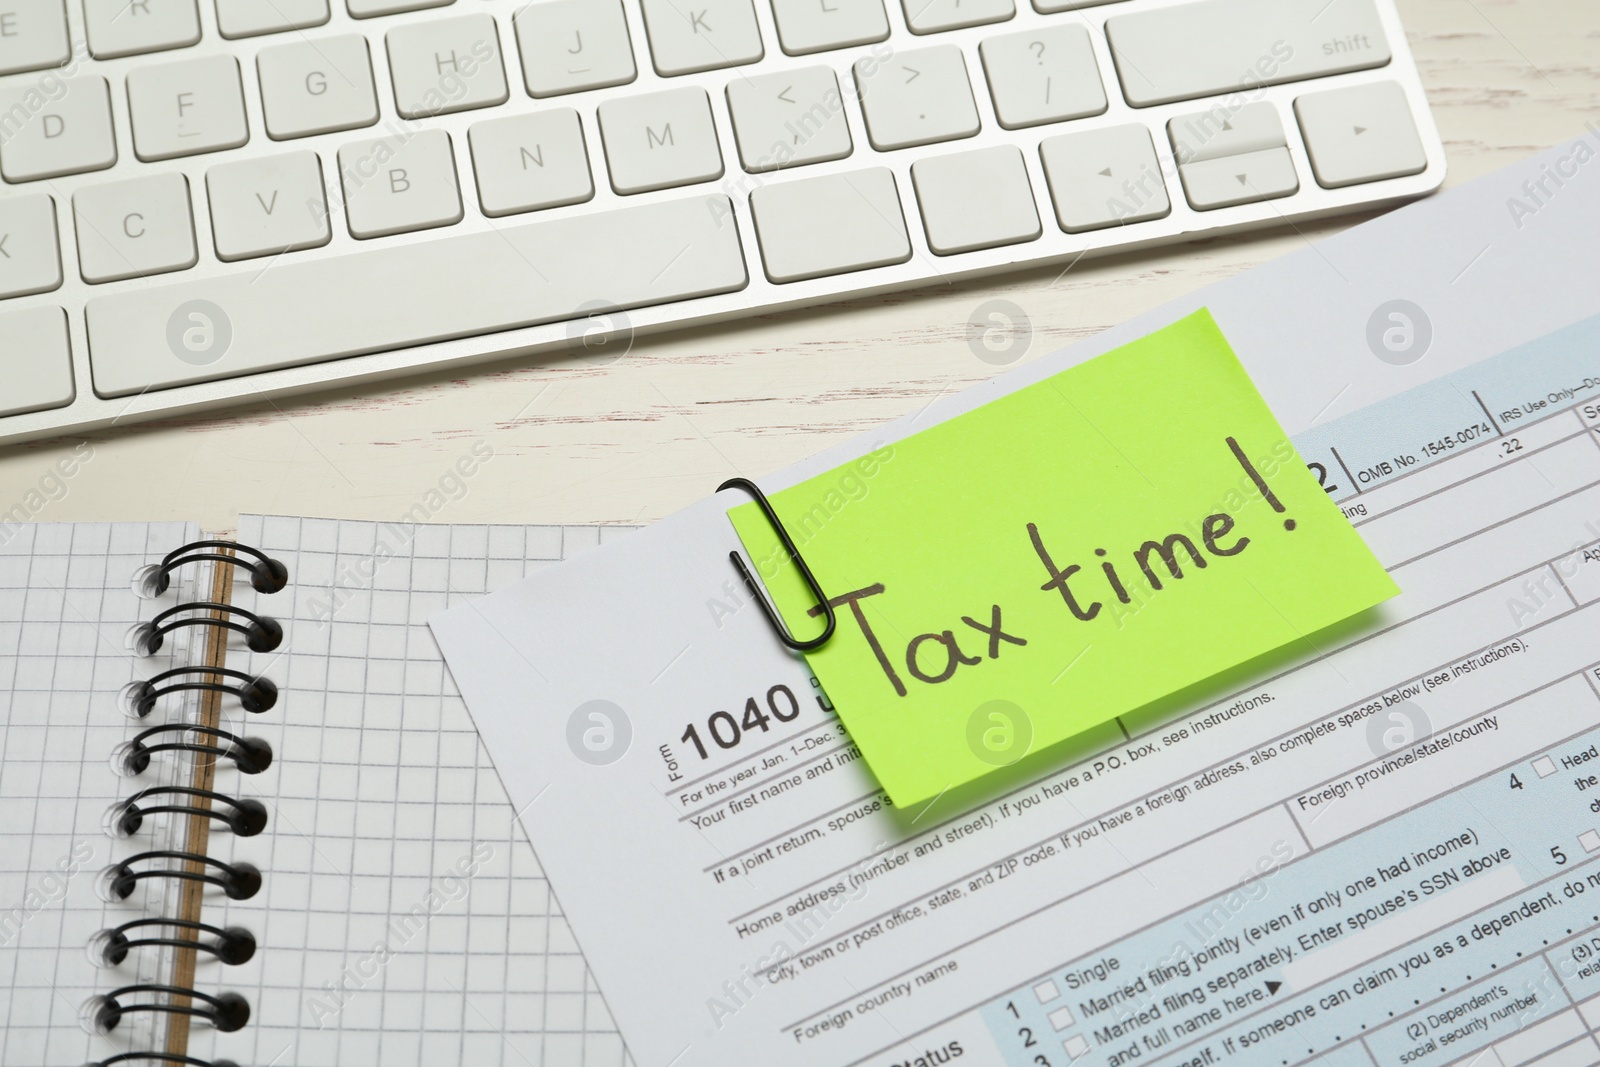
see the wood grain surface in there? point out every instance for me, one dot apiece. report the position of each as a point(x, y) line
point(631, 438)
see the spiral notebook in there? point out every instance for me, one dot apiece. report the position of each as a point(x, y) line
point(247, 817)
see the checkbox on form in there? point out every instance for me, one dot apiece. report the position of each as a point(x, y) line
point(1544, 766)
point(1061, 1018)
point(1046, 991)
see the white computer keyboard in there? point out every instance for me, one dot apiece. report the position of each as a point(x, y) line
point(208, 201)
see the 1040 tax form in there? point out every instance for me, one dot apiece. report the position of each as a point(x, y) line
point(1386, 854)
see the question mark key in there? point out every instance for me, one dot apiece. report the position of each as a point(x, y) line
point(1044, 75)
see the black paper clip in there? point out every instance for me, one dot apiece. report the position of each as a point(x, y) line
point(773, 619)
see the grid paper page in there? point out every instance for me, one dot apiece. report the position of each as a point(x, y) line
point(403, 917)
point(66, 604)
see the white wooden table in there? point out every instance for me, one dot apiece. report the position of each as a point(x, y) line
point(634, 438)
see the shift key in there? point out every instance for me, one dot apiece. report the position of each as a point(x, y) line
point(1193, 50)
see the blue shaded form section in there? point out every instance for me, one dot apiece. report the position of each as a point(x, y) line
point(1362, 450)
point(1429, 937)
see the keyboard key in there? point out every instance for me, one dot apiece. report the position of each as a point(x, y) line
point(1241, 179)
point(365, 9)
point(395, 185)
point(931, 16)
point(519, 275)
point(130, 27)
point(1101, 178)
point(30, 259)
point(974, 200)
point(659, 140)
point(830, 225)
point(1179, 53)
point(1044, 75)
point(916, 98)
point(186, 107)
point(68, 135)
point(1225, 131)
point(250, 18)
point(1361, 134)
point(806, 26)
point(529, 162)
point(316, 86)
point(1050, 7)
point(687, 36)
point(1232, 155)
point(266, 206)
point(33, 35)
point(133, 228)
point(446, 66)
point(571, 45)
point(36, 362)
point(788, 119)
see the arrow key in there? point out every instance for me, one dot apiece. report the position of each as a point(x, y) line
point(1241, 179)
point(1225, 131)
point(788, 119)
point(1104, 177)
point(1361, 134)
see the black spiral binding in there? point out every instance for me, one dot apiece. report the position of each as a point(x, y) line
point(261, 633)
point(251, 755)
point(267, 575)
point(231, 946)
point(225, 1011)
point(246, 819)
point(161, 1057)
point(255, 694)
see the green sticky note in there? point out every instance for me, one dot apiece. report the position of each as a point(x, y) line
point(1068, 553)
